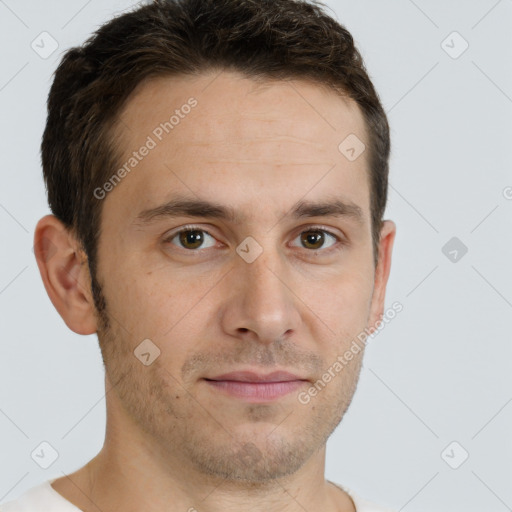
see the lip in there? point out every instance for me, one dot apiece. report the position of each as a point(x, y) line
point(255, 387)
point(247, 376)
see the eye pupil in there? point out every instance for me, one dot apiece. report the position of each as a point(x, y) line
point(191, 239)
point(312, 238)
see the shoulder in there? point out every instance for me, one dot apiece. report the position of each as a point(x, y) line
point(42, 497)
point(361, 504)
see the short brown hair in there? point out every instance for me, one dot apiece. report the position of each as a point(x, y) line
point(262, 39)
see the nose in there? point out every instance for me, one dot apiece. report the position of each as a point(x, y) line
point(261, 305)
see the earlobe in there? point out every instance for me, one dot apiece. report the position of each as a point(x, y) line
point(65, 274)
point(387, 238)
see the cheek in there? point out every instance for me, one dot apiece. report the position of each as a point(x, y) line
point(144, 304)
point(342, 302)
point(161, 304)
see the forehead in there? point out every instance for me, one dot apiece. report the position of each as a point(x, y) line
point(228, 136)
point(237, 104)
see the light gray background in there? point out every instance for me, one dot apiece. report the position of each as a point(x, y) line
point(439, 372)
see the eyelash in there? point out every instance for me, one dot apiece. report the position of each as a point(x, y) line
point(339, 242)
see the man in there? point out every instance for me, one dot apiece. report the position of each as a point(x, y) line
point(217, 173)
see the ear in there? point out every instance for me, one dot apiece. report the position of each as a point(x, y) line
point(387, 237)
point(65, 273)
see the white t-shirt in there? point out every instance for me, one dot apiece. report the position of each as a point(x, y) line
point(44, 498)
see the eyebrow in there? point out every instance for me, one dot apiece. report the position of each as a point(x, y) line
point(185, 207)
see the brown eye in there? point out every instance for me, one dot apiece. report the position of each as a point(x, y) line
point(191, 239)
point(312, 239)
point(315, 239)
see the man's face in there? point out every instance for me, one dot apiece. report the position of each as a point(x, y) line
point(290, 298)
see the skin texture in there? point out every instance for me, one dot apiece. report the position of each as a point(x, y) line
point(173, 441)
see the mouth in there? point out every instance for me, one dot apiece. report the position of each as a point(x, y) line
point(255, 387)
